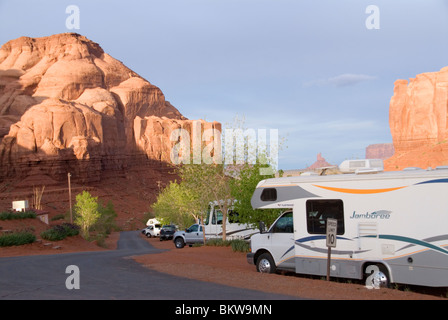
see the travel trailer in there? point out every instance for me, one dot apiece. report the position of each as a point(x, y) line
point(213, 228)
point(390, 225)
point(234, 230)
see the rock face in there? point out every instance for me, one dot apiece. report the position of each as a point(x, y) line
point(320, 163)
point(418, 118)
point(380, 151)
point(67, 106)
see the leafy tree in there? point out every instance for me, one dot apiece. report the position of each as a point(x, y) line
point(86, 212)
point(210, 183)
point(176, 204)
point(242, 189)
point(106, 222)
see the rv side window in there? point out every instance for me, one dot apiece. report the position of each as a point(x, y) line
point(318, 211)
point(269, 194)
point(217, 217)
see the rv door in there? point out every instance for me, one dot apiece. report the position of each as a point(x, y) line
point(282, 241)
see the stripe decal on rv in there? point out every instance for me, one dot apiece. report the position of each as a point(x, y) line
point(409, 240)
point(372, 191)
point(359, 191)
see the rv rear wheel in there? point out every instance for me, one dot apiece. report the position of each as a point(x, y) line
point(377, 276)
point(265, 264)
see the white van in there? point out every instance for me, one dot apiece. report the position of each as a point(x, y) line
point(394, 223)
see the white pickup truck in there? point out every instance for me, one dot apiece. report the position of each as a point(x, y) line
point(190, 236)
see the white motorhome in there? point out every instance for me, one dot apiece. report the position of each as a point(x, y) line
point(394, 223)
point(213, 228)
point(234, 230)
point(153, 228)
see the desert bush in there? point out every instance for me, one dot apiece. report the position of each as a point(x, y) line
point(10, 215)
point(218, 242)
point(16, 239)
point(236, 244)
point(60, 232)
point(240, 245)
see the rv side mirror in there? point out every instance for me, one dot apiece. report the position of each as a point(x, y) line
point(261, 226)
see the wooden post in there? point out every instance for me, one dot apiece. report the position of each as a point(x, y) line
point(70, 197)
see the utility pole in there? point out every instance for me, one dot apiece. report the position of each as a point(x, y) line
point(70, 197)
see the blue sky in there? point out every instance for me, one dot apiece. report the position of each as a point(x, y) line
point(309, 68)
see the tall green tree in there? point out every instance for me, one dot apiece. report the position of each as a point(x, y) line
point(211, 184)
point(242, 189)
point(177, 204)
point(86, 212)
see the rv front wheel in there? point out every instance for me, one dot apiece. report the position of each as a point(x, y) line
point(265, 264)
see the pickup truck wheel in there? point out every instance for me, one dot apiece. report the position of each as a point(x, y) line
point(265, 264)
point(148, 235)
point(179, 243)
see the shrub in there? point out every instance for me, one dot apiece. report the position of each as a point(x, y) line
point(10, 215)
point(17, 239)
point(218, 242)
point(236, 244)
point(60, 232)
point(240, 245)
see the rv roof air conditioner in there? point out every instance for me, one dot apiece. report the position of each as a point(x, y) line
point(358, 165)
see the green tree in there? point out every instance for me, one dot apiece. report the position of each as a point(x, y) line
point(86, 212)
point(176, 204)
point(210, 183)
point(242, 189)
point(106, 222)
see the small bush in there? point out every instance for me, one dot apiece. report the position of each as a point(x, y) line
point(240, 245)
point(60, 232)
point(10, 215)
point(16, 239)
point(217, 242)
point(237, 244)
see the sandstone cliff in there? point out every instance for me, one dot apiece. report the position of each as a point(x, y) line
point(380, 151)
point(418, 117)
point(67, 106)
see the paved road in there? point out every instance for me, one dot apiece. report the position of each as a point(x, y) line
point(108, 275)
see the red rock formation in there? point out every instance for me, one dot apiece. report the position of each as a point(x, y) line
point(67, 106)
point(320, 163)
point(418, 117)
point(380, 151)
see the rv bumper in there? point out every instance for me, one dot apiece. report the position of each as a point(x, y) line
point(250, 258)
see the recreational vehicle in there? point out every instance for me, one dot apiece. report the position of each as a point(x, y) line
point(234, 230)
point(391, 224)
point(213, 228)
